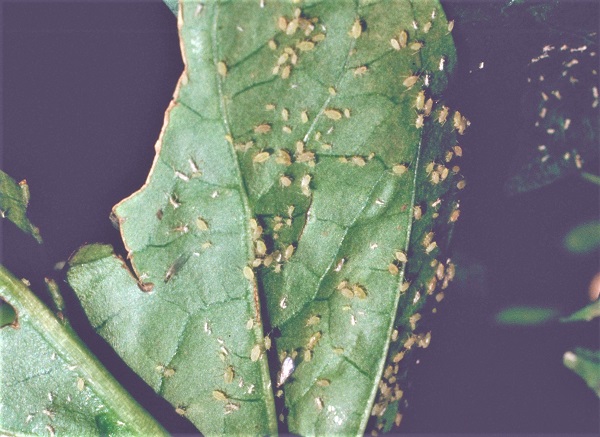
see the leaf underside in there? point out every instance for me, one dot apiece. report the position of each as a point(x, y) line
point(14, 198)
point(298, 165)
point(50, 383)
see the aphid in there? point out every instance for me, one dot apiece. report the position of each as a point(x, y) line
point(228, 375)
point(403, 39)
point(267, 342)
point(219, 395)
point(399, 169)
point(201, 224)
point(222, 68)
point(262, 128)
point(410, 81)
point(420, 121)
point(420, 101)
point(417, 212)
point(358, 160)
point(356, 30)
point(360, 70)
point(283, 157)
point(430, 247)
point(333, 114)
point(393, 269)
point(450, 26)
point(307, 355)
point(454, 216)
point(285, 114)
point(305, 46)
point(457, 150)
point(285, 181)
point(272, 45)
point(314, 339)
point(304, 184)
point(304, 117)
point(416, 46)
point(359, 291)
point(80, 384)
point(285, 72)
point(401, 256)
point(427, 27)
point(288, 252)
point(347, 113)
point(248, 273)
point(395, 44)
point(461, 184)
point(443, 115)
point(255, 353)
point(323, 382)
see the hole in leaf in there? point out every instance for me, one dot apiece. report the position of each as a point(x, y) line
point(8, 315)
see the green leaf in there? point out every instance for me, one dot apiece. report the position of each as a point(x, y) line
point(306, 157)
point(173, 5)
point(586, 364)
point(51, 384)
point(14, 198)
point(584, 238)
point(585, 314)
point(526, 316)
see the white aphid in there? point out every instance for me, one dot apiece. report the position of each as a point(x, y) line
point(287, 368)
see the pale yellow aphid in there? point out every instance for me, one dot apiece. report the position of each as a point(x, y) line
point(461, 184)
point(427, 27)
point(358, 160)
point(395, 44)
point(403, 39)
point(333, 114)
point(417, 212)
point(393, 269)
point(305, 46)
point(228, 375)
point(261, 157)
point(356, 30)
point(313, 320)
point(450, 25)
point(399, 169)
point(323, 382)
point(180, 410)
point(359, 291)
point(288, 252)
point(262, 128)
point(431, 247)
point(272, 45)
point(285, 181)
point(285, 114)
point(420, 121)
point(255, 353)
point(428, 107)
point(305, 184)
point(222, 68)
point(420, 101)
point(410, 81)
point(401, 256)
point(248, 273)
point(360, 70)
point(261, 249)
point(219, 395)
point(443, 115)
point(283, 157)
point(304, 116)
point(416, 46)
point(267, 342)
point(80, 384)
point(201, 224)
point(285, 72)
point(347, 112)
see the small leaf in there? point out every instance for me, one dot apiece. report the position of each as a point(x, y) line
point(585, 314)
point(526, 316)
point(14, 199)
point(586, 364)
point(584, 238)
point(51, 384)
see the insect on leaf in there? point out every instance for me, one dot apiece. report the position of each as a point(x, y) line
point(294, 164)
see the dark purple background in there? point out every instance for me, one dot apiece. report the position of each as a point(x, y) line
point(85, 86)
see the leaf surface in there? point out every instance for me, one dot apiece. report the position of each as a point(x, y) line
point(51, 384)
point(307, 163)
point(14, 198)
